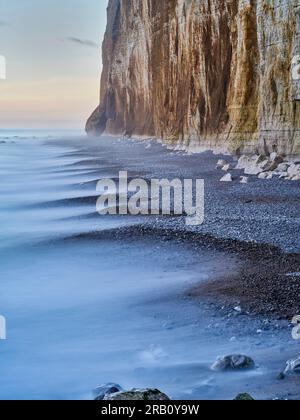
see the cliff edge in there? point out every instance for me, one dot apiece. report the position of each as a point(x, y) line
point(215, 74)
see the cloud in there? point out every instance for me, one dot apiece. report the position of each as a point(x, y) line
point(82, 42)
point(3, 23)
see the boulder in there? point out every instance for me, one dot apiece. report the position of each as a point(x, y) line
point(263, 175)
point(243, 162)
point(283, 175)
point(276, 157)
point(274, 162)
point(249, 161)
point(257, 166)
point(226, 178)
point(266, 175)
point(221, 163)
point(281, 376)
point(264, 164)
point(138, 395)
point(233, 362)
point(294, 170)
point(292, 366)
point(244, 397)
point(253, 170)
point(244, 180)
point(226, 167)
point(296, 178)
point(283, 167)
point(103, 391)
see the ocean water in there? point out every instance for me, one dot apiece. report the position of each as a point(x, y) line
point(23, 133)
point(87, 301)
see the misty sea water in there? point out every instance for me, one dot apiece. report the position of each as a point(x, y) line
point(77, 310)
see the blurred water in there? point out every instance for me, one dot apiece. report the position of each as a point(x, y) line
point(75, 309)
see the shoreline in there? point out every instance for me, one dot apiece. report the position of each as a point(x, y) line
point(266, 265)
point(183, 146)
point(266, 284)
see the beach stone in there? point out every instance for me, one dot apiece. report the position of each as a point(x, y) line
point(227, 178)
point(233, 362)
point(292, 366)
point(243, 162)
point(294, 170)
point(253, 170)
point(257, 164)
point(249, 161)
point(275, 157)
point(258, 159)
point(138, 395)
point(104, 390)
point(244, 180)
point(221, 163)
point(243, 397)
point(274, 163)
point(283, 175)
point(226, 168)
point(281, 376)
point(283, 167)
point(263, 175)
point(264, 164)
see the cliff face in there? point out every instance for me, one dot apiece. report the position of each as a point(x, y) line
point(213, 73)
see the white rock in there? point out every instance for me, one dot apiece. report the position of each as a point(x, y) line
point(221, 163)
point(238, 309)
point(267, 165)
point(243, 162)
point(271, 164)
point(273, 156)
point(256, 164)
point(263, 175)
point(283, 167)
point(296, 178)
point(293, 366)
point(226, 178)
point(244, 180)
point(294, 170)
point(253, 170)
point(283, 175)
point(226, 168)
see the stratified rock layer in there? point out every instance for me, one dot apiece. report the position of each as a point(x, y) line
point(212, 73)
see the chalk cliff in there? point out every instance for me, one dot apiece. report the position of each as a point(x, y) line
point(212, 73)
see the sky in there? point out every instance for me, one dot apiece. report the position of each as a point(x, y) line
point(53, 62)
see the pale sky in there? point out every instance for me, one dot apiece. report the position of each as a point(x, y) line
point(53, 55)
